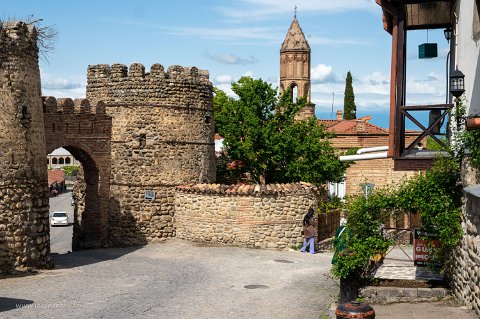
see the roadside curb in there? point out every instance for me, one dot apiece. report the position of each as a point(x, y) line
point(385, 295)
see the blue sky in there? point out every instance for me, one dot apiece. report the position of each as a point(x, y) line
point(235, 38)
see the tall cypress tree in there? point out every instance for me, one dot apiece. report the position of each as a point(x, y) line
point(349, 107)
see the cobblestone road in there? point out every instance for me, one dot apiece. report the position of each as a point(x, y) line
point(175, 279)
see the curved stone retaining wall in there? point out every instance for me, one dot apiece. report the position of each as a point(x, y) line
point(264, 216)
point(464, 263)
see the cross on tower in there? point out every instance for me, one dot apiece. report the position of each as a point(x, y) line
point(295, 11)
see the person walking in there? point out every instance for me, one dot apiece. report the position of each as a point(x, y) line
point(310, 223)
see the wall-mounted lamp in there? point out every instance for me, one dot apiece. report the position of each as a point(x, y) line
point(448, 33)
point(457, 83)
point(457, 88)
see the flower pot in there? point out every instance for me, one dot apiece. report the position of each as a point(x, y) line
point(473, 123)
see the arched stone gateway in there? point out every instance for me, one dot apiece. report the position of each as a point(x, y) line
point(85, 131)
point(152, 132)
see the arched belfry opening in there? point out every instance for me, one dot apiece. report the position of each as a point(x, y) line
point(295, 67)
point(294, 88)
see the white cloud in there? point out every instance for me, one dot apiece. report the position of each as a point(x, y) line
point(322, 73)
point(372, 91)
point(222, 33)
point(335, 42)
point(244, 35)
point(223, 79)
point(266, 9)
point(61, 87)
point(433, 84)
point(232, 59)
point(71, 93)
point(248, 73)
point(227, 88)
point(60, 84)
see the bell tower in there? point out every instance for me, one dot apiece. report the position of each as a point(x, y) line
point(295, 66)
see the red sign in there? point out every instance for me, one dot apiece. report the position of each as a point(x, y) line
point(424, 250)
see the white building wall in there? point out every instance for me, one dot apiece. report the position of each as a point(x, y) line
point(468, 52)
point(465, 259)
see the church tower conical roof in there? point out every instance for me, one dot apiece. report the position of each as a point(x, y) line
point(295, 39)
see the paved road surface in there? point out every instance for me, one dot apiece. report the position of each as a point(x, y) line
point(175, 279)
point(61, 236)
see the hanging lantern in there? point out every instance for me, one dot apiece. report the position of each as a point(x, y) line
point(448, 33)
point(457, 83)
point(427, 51)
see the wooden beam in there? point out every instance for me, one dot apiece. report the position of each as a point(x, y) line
point(426, 131)
point(393, 81)
point(421, 1)
point(388, 7)
point(426, 107)
point(430, 26)
point(399, 125)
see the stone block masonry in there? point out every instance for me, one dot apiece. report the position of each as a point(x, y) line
point(24, 225)
point(85, 130)
point(162, 137)
point(260, 216)
point(464, 262)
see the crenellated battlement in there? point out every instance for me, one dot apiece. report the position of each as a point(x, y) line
point(178, 86)
point(137, 72)
point(18, 37)
point(67, 105)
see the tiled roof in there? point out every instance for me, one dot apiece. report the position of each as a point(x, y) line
point(350, 127)
point(327, 123)
point(245, 189)
point(55, 176)
point(295, 39)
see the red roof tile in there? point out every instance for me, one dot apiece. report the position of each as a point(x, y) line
point(245, 189)
point(55, 176)
point(350, 127)
point(327, 123)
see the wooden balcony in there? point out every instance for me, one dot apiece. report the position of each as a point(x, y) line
point(399, 16)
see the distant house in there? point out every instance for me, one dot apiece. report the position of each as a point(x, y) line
point(56, 182)
point(60, 158)
point(359, 133)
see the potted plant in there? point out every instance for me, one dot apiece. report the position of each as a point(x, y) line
point(473, 122)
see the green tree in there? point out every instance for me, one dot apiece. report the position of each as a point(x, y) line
point(272, 146)
point(349, 107)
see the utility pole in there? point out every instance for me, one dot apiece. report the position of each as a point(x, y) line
point(333, 101)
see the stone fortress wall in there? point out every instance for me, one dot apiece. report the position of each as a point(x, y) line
point(24, 224)
point(464, 262)
point(139, 137)
point(162, 137)
point(256, 216)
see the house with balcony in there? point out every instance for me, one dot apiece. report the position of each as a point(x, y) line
point(371, 166)
point(460, 21)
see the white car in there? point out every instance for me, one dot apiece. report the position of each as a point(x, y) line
point(59, 219)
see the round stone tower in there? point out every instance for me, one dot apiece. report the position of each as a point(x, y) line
point(24, 226)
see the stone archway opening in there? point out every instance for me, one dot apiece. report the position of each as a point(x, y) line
point(81, 202)
point(60, 181)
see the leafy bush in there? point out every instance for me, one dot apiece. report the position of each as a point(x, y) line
point(70, 170)
point(434, 195)
point(364, 238)
point(470, 142)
